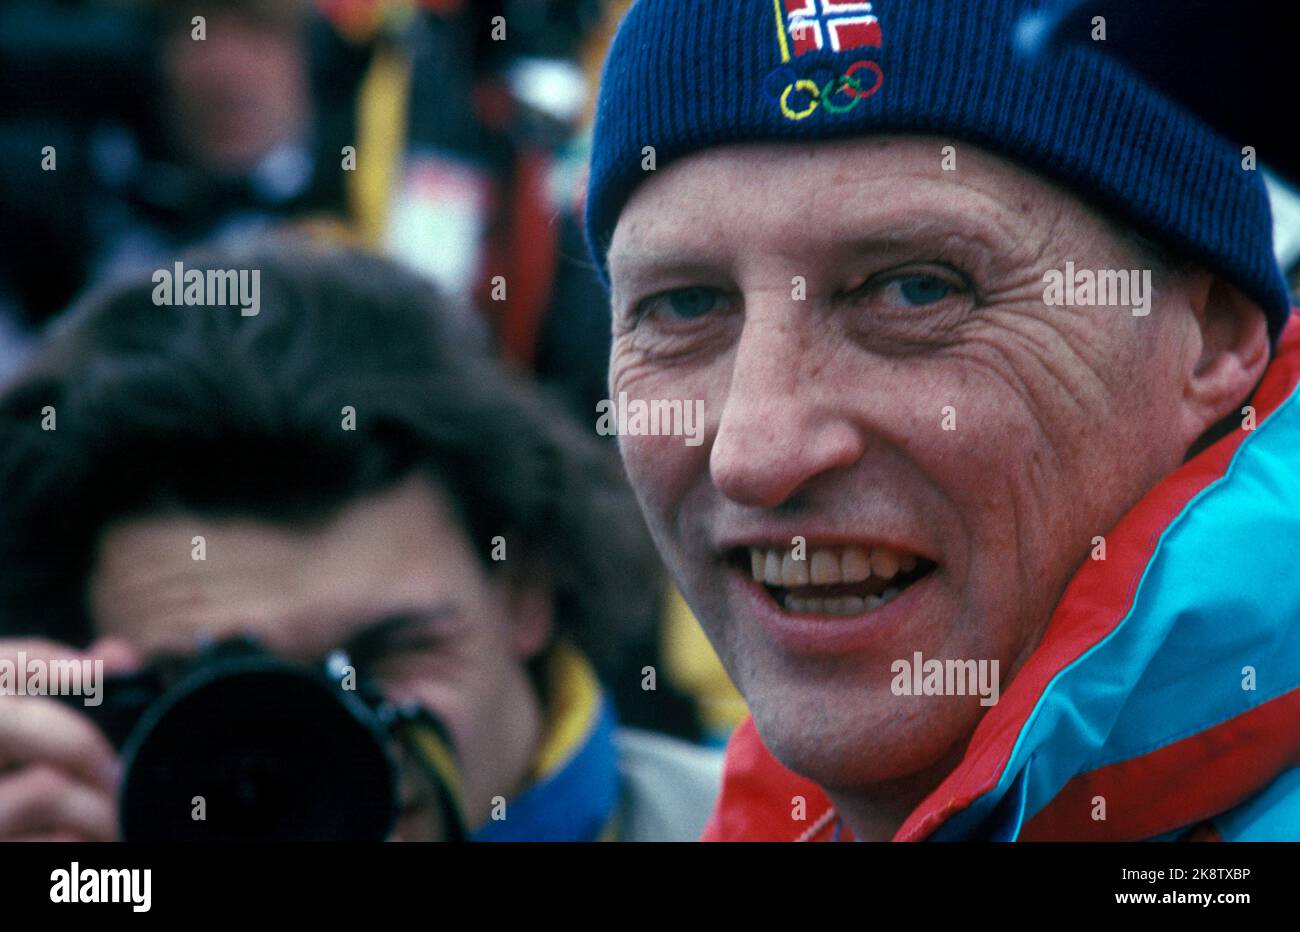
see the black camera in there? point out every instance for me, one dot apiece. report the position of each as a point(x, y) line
point(239, 745)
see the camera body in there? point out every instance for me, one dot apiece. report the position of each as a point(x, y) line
point(239, 745)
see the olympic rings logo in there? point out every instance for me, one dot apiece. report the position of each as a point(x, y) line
point(801, 96)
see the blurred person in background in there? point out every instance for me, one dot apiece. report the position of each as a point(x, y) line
point(136, 130)
point(447, 134)
point(393, 125)
point(471, 551)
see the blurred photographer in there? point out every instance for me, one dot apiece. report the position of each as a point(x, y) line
point(342, 470)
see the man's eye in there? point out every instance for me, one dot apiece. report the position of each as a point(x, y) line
point(682, 303)
point(919, 290)
point(394, 649)
point(410, 644)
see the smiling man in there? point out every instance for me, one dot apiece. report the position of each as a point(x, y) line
point(991, 554)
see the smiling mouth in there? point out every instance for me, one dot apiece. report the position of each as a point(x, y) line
point(849, 580)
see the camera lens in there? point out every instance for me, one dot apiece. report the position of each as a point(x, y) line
point(256, 749)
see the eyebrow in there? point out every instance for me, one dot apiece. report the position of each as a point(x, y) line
point(371, 635)
point(638, 264)
point(391, 624)
point(962, 247)
point(892, 232)
point(961, 244)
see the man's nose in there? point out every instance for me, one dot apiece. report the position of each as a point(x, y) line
point(783, 423)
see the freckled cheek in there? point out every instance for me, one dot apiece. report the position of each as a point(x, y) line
point(662, 468)
point(663, 471)
point(1015, 494)
point(988, 450)
point(978, 444)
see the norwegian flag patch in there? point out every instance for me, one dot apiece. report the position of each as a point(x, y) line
point(838, 25)
point(807, 26)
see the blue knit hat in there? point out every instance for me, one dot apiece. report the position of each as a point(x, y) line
point(686, 75)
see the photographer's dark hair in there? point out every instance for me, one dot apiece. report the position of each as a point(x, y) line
point(199, 408)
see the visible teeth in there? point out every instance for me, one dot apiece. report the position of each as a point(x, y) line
point(793, 572)
point(827, 566)
point(855, 566)
point(824, 568)
point(840, 605)
point(884, 563)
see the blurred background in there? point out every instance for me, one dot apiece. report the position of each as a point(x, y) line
point(416, 130)
point(390, 125)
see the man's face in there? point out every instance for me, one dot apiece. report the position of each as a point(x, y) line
point(881, 378)
point(391, 579)
point(235, 94)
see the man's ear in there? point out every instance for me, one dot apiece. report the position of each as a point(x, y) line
point(530, 599)
point(1233, 355)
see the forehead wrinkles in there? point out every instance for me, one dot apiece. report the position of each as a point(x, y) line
point(782, 200)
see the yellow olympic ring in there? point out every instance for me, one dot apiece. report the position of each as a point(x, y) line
point(801, 85)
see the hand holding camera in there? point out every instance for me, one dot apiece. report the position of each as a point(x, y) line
point(58, 772)
point(233, 745)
